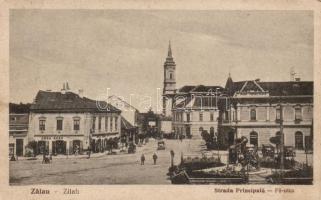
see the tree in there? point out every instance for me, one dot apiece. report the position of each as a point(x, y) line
point(33, 145)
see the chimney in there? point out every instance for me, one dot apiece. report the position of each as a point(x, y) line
point(297, 79)
point(81, 93)
point(67, 86)
point(257, 80)
point(63, 90)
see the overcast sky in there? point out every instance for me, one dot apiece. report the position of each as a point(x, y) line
point(125, 50)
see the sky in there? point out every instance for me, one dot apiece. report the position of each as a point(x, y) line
point(125, 50)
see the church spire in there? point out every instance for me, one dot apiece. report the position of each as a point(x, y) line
point(169, 50)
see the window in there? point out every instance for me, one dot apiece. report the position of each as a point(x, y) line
point(212, 132)
point(253, 114)
point(298, 140)
point(42, 125)
point(201, 117)
point(116, 120)
point(226, 115)
point(170, 76)
point(99, 123)
point(298, 113)
point(94, 123)
point(188, 117)
point(106, 123)
point(278, 113)
point(111, 124)
point(212, 117)
point(59, 124)
point(76, 124)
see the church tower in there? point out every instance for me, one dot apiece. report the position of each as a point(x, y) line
point(169, 89)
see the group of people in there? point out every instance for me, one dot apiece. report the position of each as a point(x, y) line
point(142, 159)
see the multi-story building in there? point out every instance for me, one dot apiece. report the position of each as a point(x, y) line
point(129, 117)
point(63, 122)
point(18, 128)
point(256, 110)
point(196, 110)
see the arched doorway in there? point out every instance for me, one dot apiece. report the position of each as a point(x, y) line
point(254, 138)
point(298, 140)
point(76, 146)
point(43, 147)
point(60, 147)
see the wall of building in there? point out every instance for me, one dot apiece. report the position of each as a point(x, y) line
point(180, 122)
point(68, 134)
point(266, 124)
point(264, 134)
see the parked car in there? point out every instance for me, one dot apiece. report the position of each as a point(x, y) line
point(289, 151)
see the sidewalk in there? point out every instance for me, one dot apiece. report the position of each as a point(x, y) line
point(72, 156)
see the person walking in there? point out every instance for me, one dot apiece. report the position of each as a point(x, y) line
point(88, 152)
point(142, 159)
point(172, 157)
point(155, 158)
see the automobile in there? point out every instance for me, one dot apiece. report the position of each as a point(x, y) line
point(268, 150)
point(131, 147)
point(289, 151)
point(161, 145)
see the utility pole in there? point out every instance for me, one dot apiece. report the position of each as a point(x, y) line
point(282, 139)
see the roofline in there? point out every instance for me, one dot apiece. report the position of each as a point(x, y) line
point(123, 102)
point(85, 110)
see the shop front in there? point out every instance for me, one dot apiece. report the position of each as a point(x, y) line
point(60, 145)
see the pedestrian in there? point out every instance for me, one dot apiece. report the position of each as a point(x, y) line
point(76, 150)
point(155, 158)
point(142, 159)
point(88, 152)
point(172, 157)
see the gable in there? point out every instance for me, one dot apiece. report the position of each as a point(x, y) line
point(251, 86)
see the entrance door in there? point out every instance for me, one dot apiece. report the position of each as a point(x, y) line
point(230, 138)
point(76, 146)
point(42, 147)
point(19, 147)
point(60, 147)
point(254, 138)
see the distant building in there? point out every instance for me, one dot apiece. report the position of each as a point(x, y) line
point(196, 110)
point(129, 119)
point(18, 128)
point(149, 123)
point(254, 110)
point(63, 122)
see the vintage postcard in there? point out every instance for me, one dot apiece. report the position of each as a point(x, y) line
point(117, 100)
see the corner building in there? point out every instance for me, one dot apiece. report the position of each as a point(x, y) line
point(253, 110)
point(61, 122)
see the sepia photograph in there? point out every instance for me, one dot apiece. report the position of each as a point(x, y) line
point(160, 97)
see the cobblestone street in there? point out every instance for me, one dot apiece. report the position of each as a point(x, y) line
point(106, 169)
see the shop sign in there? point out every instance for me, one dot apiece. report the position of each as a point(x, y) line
point(52, 137)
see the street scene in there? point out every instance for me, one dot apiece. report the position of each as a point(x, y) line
point(96, 99)
point(120, 169)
